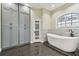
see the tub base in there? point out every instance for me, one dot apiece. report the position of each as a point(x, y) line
point(60, 51)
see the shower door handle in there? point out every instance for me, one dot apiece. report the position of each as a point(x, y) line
point(11, 34)
point(24, 26)
point(11, 26)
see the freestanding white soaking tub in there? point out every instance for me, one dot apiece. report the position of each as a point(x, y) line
point(68, 44)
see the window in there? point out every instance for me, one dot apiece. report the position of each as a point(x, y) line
point(68, 20)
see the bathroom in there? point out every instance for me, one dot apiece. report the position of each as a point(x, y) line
point(32, 28)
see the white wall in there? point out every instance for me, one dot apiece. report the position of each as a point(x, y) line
point(46, 23)
point(0, 27)
point(54, 18)
point(71, 9)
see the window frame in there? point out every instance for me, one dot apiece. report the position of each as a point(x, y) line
point(65, 18)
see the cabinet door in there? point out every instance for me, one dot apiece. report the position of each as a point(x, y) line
point(6, 35)
point(27, 28)
point(14, 21)
point(24, 28)
point(9, 26)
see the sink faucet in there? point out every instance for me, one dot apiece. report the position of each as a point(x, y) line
point(71, 33)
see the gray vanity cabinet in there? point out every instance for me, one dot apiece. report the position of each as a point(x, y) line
point(9, 25)
point(24, 25)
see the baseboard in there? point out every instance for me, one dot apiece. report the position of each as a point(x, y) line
point(38, 41)
point(35, 41)
point(42, 41)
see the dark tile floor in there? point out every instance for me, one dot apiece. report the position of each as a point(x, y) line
point(35, 49)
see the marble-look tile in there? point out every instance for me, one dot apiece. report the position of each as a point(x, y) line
point(35, 49)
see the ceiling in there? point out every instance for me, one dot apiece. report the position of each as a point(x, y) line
point(47, 6)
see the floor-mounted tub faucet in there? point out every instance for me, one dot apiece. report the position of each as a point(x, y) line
point(71, 33)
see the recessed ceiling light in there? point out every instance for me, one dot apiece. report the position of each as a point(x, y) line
point(53, 5)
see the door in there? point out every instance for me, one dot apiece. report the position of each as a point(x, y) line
point(36, 30)
point(14, 30)
point(9, 25)
point(24, 26)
